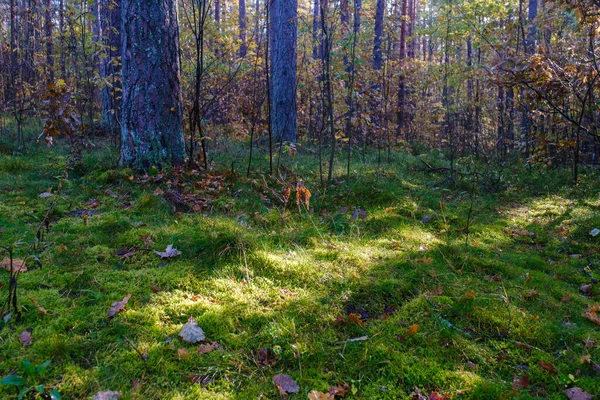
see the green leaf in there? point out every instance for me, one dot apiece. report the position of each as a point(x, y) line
point(54, 395)
point(29, 368)
point(23, 392)
point(40, 388)
point(14, 380)
point(42, 367)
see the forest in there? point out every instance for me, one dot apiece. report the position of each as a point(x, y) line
point(322, 199)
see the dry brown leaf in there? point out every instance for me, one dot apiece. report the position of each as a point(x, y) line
point(315, 395)
point(182, 353)
point(413, 329)
point(18, 265)
point(339, 390)
point(118, 306)
point(285, 194)
point(522, 382)
point(147, 241)
point(208, 347)
point(585, 359)
point(154, 288)
point(547, 366)
point(39, 308)
point(592, 313)
point(470, 295)
point(566, 298)
point(357, 320)
point(302, 195)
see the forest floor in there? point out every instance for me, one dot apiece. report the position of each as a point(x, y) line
point(376, 293)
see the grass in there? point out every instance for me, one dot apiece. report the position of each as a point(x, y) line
point(255, 275)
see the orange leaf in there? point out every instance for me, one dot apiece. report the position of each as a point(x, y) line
point(592, 313)
point(413, 329)
point(357, 320)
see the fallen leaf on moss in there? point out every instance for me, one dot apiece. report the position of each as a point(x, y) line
point(18, 265)
point(118, 306)
point(182, 353)
point(285, 384)
point(107, 395)
point(315, 395)
point(357, 320)
point(170, 252)
point(191, 332)
point(25, 338)
point(208, 347)
point(413, 329)
point(522, 382)
point(578, 394)
point(566, 298)
point(547, 366)
point(265, 357)
point(592, 313)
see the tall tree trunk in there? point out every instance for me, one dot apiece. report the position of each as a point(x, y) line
point(401, 83)
point(110, 14)
point(48, 14)
point(378, 39)
point(531, 35)
point(61, 28)
point(316, 29)
point(152, 112)
point(242, 27)
point(283, 39)
point(13, 53)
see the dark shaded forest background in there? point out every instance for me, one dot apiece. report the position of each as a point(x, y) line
point(512, 81)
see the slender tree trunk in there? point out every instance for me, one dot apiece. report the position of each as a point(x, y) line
point(242, 27)
point(48, 15)
point(152, 112)
point(110, 69)
point(316, 29)
point(378, 38)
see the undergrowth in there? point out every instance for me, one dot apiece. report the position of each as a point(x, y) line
point(434, 309)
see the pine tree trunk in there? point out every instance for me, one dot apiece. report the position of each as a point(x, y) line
point(378, 39)
point(151, 128)
point(282, 46)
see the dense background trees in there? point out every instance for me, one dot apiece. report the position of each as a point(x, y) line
point(506, 81)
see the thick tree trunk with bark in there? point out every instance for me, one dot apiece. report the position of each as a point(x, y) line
point(283, 39)
point(151, 127)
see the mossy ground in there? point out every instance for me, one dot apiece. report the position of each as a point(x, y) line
point(255, 275)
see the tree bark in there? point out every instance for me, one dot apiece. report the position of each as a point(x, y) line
point(283, 40)
point(152, 112)
point(378, 39)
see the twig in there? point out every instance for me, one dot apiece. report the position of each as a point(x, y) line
point(143, 356)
